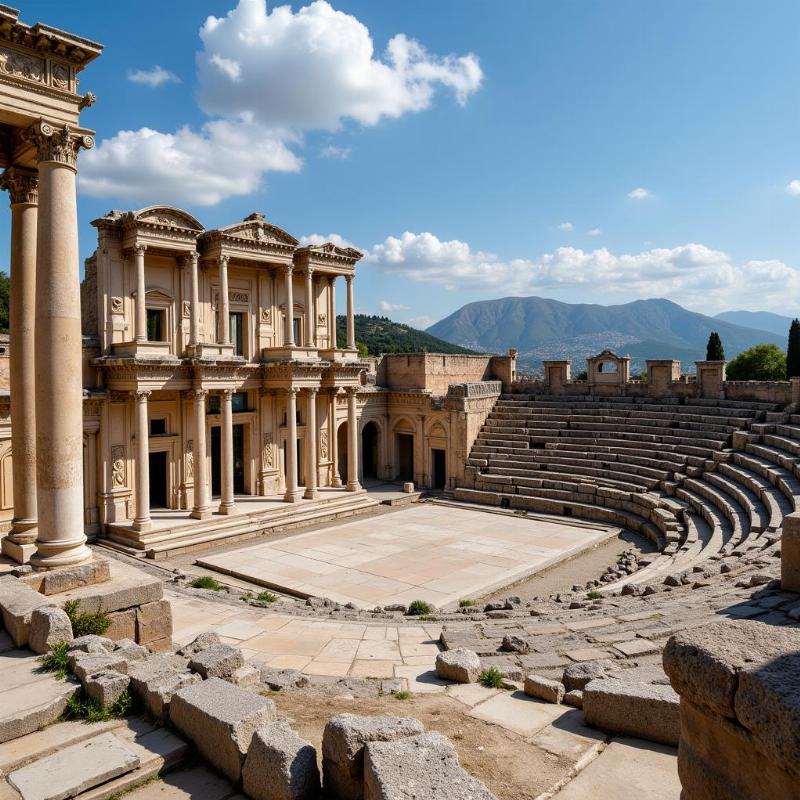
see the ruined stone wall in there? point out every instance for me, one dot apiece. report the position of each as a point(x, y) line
point(434, 373)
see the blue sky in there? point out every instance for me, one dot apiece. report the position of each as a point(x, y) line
point(587, 151)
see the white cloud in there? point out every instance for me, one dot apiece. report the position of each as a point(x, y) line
point(639, 193)
point(594, 232)
point(264, 80)
point(693, 274)
point(793, 188)
point(334, 152)
point(385, 305)
point(153, 77)
point(566, 226)
point(335, 238)
point(423, 321)
point(316, 67)
point(203, 167)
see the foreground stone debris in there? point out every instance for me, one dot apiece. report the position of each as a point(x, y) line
point(49, 625)
point(460, 665)
point(280, 765)
point(220, 719)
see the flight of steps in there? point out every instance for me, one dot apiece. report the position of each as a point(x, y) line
point(42, 756)
point(187, 535)
point(700, 478)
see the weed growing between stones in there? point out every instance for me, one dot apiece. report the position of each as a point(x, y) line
point(491, 678)
point(266, 597)
point(594, 595)
point(92, 711)
point(56, 660)
point(467, 603)
point(84, 624)
point(403, 694)
point(418, 608)
point(206, 582)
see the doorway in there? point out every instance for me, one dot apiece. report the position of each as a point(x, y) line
point(405, 456)
point(439, 468)
point(341, 449)
point(238, 460)
point(369, 450)
point(158, 479)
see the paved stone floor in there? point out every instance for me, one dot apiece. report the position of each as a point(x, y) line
point(435, 553)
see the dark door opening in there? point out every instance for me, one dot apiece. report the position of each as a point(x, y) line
point(369, 450)
point(238, 460)
point(300, 481)
point(405, 456)
point(216, 462)
point(158, 480)
point(439, 459)
point(341, 449)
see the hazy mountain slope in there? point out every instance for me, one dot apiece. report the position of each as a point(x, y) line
point(762, 320)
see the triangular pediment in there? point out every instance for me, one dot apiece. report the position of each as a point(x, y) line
point(166, 215)
point(257, 229)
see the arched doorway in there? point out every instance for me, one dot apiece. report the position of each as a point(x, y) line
point(404, 450)
point(369, 450)
point(341, 449)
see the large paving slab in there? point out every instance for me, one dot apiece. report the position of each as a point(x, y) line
point(75, 769)
point(427, 552)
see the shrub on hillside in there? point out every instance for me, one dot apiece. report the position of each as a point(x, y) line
point(764, 362)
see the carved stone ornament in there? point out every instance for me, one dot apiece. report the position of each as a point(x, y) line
point(22, 65)
point(57, 144)
point(268, 454)
point(116, 305)
point(266, 316)
point(322, 320)
point(189, 460)
point(118, 480)
point(22, 185)
point(187, 308)
point(323, 445)
point(238, 297)
point(60, 75)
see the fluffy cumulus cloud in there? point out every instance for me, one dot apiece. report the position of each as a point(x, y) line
point(566, 226)
point(385, 305)
point(639, 193)
point(793, 188)
point(694, 274)
point(335, 238)
point(155, 77)
point(265, 78)
point(594, 232)
point(335, 152)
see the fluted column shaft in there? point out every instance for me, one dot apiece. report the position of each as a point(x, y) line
point(310, 321)
point(141, 521)
point(289, 307)
point(224, 332)
point(194, 301)
point(292, 492)
point(351, 323)
point(337, 478)
point(201, 508)
point(332, 311)
point(22, 186)
point(59, 392)
point(227, 504)
point(311, 445)
point(352, 441)
point(141, 294)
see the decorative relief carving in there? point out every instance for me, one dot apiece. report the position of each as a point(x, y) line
point(268, 453)
point(22, 65)
point(189, 460)
point(60, 75)
point(118, 479)
point(322, 320)
point(116, 305)
point(57, 144)
point(238, 297)
point(323, 445)
point(187, 308)
point(22, 185)
point(266, 316)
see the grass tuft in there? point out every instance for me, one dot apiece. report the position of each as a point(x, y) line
point(418, 608)
point(467, 602)
point(594, 595)
point(403, 694)
point(56, 660)
point(206, 582)
point(266, 597)
point(92, 711)
point(491, 678)
point(85, 624)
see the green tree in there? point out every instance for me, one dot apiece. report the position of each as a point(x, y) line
point(793, 351)
point(764, 362)
point(714, 349)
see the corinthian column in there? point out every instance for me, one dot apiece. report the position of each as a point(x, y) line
point(142, 520)
point(201, 509)
point(59, 407)
point(311, 445)
point(292, 494)
point(332, 312)
point(352, 441)
point(194, 301)
point(310, 321)
point(224, 331)
point(289, 307)
point(351, 324)
point(22, 186)
point(227, 504)
point(141, 294)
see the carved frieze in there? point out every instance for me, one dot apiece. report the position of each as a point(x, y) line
point(187, 308)
point(22, 65)
point(238, 297)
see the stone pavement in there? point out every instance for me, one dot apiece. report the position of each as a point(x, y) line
point(435, 553)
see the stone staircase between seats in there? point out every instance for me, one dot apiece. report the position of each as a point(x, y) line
point(700, 478)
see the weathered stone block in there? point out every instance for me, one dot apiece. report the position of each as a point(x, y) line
point(199, 643)
point(220, 719)
point(105, 688)
point(245, 677)
point(280, 765)
point(91, 644)
point(83, 664)
point(17, 602)
point(130, 651)
point(544, 688)
point(460, 665)
point(343, 744)
point(49, 625)
point(217, 661)
point(157, 679)
point(128, 589)
point(423, 767)
point(65, 579)
point(123, 625)
point(160, 646)
point(154, 622)
point(649, 711)
point(576, 676)
point(790, 553)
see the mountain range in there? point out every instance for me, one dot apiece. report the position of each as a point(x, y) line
point(542, 328)
point(762, 320)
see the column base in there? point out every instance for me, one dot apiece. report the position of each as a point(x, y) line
point(293, 496)
point(310, 494)
point(21, 553)
point(52, 555)
point(227, 508)
point(142, 525)
point(200, 513)
point(353, 486)
point(336, 482)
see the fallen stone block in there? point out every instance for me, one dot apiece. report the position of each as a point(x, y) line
point(105, 688)
point(130, 651)
point(515, 644)
point(49, 625)
point(83, 664)
point(423, 767)
point(279, 679)
point(544, 688)
point(65, 579)
point(128, 588)
point(200, 643)
point(343, 744)
point(220, 719)
point(576, 676)
point(280, 765)
point(649, 711)
point(157, 679)
point(75, 769)
point(217, 661)
point(245, 677)
point(123, 625)
point(91, 644)
point(17, 602)
point(154, 622)
point(574, 698)
point(460, 665)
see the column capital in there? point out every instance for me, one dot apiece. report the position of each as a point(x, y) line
point(198, 394)
point(289, 268)
point(312, 390)
point(293, 390)
point(352, 391)
point(332, 279)
point(223, 260)
point(22, 185)
point(55, 143)
point(191, 259)
point(349, 279)
point(310, 270)
point(141, 395)
point(139, 248)
point(227, 393)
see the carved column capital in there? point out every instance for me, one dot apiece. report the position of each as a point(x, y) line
point(332, 279)
point(22, 185)
point(57, 144)
point(223, 261)
point(312, 391)
point(292, 390)
point(349, 279)
point(198, 394)
point(352, 391)
point(139, 248)
point(141, 395)
point(227, 393)
point(191, 259)
point(289, 269)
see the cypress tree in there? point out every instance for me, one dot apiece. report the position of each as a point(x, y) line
point(793, 351)
point(714, 349)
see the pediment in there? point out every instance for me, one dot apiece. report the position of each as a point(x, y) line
point(166, 215)
point(329, 248)
point(257, 229)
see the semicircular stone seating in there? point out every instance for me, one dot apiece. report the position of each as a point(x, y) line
point(701, 478)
